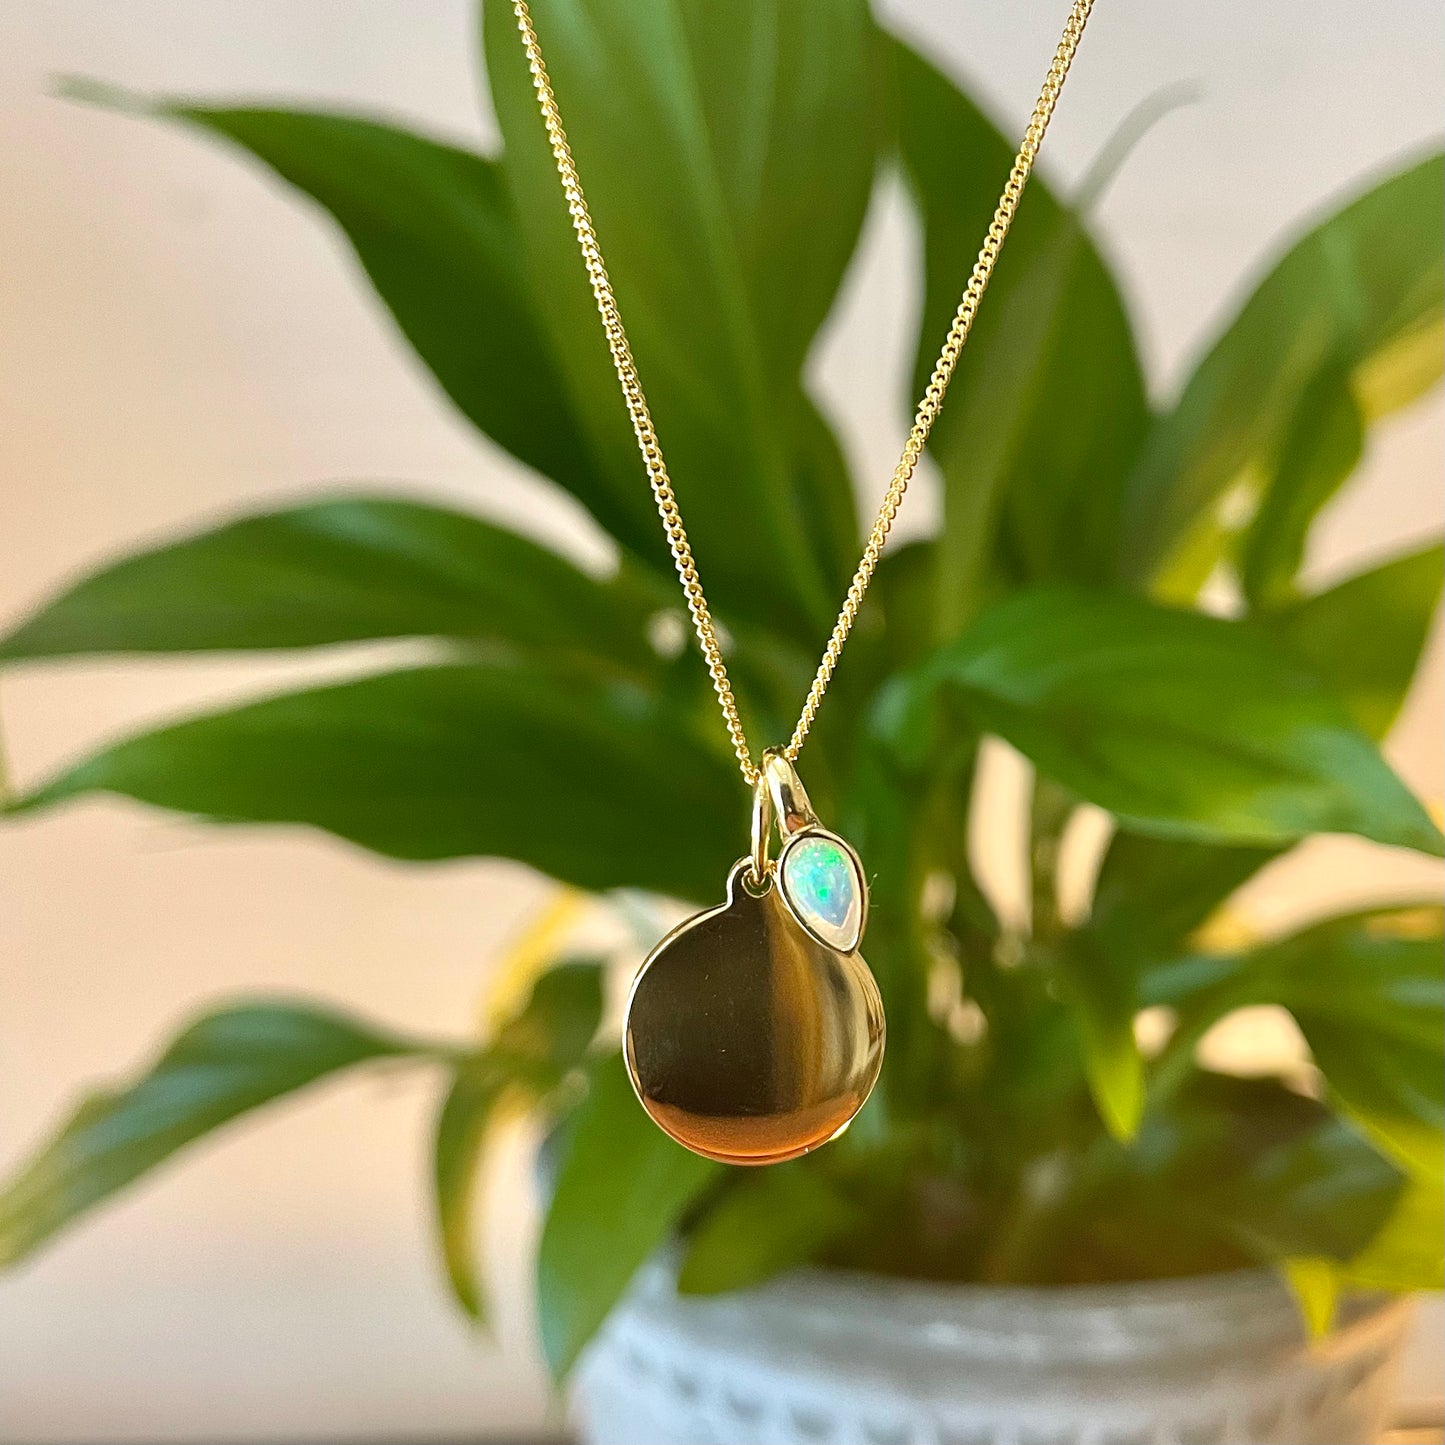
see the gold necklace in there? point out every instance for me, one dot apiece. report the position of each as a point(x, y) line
point(754, 1031)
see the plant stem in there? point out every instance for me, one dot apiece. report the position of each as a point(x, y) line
point(1016, 1253)
point(1050, 810)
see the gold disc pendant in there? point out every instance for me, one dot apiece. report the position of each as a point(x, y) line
point(754, 1031)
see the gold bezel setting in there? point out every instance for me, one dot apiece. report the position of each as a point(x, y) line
point(844, 937)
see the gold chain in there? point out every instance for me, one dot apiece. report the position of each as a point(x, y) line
point(928, 407)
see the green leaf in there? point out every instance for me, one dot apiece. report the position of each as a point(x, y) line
point(221, 1066)
point(1228, 1171)
point(1103, 1002)
point(793, 175)
point(1152, 893)
point(1047, 409)
point(1180, 724)
point(728, 178)
point(550, 1034)
point(1359, 296)
point(337, 571)
point(767, 1222)
point(1315, 1284)
point(1368, 992)
point(433, 228)
point(532, 1053)
point(1364, 637)
point(621, 1190)
point(1406, 1255)
point(588, 782)
point(469, 1114)
point(1320, 450)
point(1395, 1097)
point(1320, 1194)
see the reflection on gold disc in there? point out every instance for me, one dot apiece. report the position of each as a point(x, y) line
point(747, 1039)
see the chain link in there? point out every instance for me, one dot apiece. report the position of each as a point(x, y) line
point(926, 415)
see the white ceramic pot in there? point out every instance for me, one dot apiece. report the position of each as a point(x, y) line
point(830, 1358)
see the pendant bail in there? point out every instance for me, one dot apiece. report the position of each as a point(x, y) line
point(759, 864)
point(789, 798)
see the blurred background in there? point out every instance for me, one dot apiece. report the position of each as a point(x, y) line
point(180, 339)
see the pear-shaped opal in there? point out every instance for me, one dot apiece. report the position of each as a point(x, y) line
point(823, 886)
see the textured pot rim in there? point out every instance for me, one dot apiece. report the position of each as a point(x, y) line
point(835, 1356)
point(835, 1312)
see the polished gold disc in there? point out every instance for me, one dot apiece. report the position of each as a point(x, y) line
point(748, 1039)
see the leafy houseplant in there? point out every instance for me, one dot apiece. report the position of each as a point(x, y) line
point(1020, 1132)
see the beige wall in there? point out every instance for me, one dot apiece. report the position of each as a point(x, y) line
point(177, 339)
